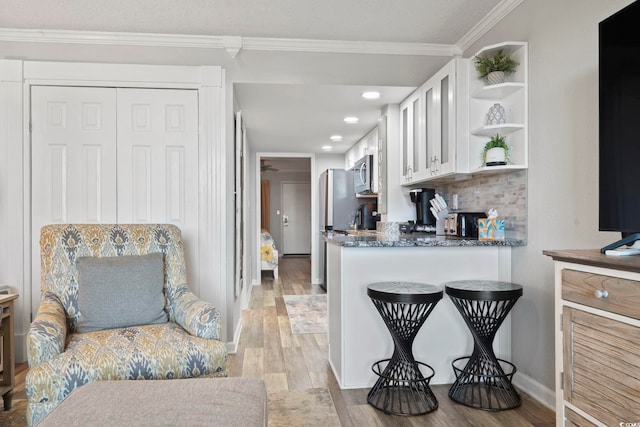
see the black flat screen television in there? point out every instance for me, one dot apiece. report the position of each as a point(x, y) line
point(619, 164)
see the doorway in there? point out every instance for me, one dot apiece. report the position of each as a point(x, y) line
point(273, 170)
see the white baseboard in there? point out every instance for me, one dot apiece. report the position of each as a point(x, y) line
point(232, 346)
point(536, 390)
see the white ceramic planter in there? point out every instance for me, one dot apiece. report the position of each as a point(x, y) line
point(495, 157)
point(495, 77)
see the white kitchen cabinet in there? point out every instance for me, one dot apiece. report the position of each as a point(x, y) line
point(512, 96)
point(597, 337)
point(433, 126)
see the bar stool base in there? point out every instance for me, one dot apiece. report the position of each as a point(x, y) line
point(482, 390)
point(407, 397)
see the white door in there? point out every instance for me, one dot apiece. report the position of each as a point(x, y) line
point(296, 218)
point(106, 155)
point(158, 163)
point(73, 161)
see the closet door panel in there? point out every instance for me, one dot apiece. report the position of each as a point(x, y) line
point(73, 154)
point(158, 161)
point(73, 141)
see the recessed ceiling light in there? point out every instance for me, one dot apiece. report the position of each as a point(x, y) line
point(351, 120)
point(371, 95)
point(327, 147)
point(336, 138)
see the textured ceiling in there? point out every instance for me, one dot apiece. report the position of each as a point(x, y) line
point(413, 21)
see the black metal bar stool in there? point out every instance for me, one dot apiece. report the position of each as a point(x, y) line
point(482, 380)
point(402, 389)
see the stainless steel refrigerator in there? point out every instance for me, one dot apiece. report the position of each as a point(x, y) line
point(338, 201)
point(338, 205)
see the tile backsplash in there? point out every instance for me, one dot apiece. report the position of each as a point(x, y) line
point(505, 192)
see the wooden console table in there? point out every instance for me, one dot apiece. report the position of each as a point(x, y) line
point(8, 352)
point(597, 338)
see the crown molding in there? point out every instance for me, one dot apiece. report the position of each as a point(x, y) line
point(233, 44)
point(490, 20)
point(110, 38)
point(342, 46)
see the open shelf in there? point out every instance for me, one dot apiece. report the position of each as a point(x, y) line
point(498, 91)
point(512, 96)
point(502, 129)
point(497, 169)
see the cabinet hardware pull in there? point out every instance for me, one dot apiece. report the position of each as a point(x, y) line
point(602, 293)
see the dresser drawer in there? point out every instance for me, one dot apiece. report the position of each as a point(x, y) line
point(601, 362)
point(613, 294)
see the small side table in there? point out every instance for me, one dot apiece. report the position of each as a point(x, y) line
point(402, 389)
point(8, 356)
point(481, 380)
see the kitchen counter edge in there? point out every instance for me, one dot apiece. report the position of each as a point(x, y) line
point(412, 240)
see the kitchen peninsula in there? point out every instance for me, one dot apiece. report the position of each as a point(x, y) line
point(357, 334)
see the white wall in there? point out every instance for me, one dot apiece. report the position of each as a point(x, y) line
point(563, 154)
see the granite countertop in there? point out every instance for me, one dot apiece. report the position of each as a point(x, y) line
point(372, 239)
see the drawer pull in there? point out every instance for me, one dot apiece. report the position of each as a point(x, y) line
point(602, 294)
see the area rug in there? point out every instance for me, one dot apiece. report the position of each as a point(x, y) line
point(16, 416)
point(309, 407)
point(307, 313)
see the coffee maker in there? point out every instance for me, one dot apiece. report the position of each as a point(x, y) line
point(425, 221)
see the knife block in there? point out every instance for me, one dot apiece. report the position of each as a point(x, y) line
point(440, 222)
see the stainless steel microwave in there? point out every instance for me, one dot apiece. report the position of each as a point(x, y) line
point(363, 175)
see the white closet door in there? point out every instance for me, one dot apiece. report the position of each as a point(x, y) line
point(158, 163)
point(73, 161)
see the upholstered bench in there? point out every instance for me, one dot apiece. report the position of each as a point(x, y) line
point(183, 402)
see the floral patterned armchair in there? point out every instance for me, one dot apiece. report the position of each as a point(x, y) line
point(60, 359)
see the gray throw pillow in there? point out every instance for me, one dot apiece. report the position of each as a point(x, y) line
point(120, 291)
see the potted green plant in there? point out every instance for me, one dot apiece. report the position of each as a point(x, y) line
point(495, 152)
point(494, 67)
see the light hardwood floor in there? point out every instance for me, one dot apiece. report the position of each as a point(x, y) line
point(268, 350)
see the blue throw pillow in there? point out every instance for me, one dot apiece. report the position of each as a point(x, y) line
point(120, 291)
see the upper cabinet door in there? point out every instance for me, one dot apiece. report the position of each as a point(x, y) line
point(410, 124)
point(430, 130)
point(444, 142)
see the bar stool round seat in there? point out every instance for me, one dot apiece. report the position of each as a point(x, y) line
point(482, 380)
point(402, 387)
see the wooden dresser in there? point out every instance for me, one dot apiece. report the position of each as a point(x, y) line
point(597, 318)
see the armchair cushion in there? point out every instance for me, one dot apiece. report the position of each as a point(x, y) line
point(116, 292)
